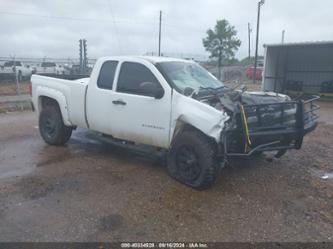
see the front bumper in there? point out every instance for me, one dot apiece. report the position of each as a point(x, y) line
point(277, 137)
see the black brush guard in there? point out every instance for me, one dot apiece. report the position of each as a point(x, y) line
point(279, 136)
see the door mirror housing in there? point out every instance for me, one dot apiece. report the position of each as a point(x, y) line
point(151, 89)
point(188, 91)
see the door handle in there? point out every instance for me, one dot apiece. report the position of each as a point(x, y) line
point(119, 102)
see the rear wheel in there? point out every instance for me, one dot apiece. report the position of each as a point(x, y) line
point(52, 127)
point(192, 160)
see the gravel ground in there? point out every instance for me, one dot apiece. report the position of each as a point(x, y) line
point(92, 191)
point(10, 88)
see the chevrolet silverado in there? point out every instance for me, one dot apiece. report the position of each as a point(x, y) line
point(174, 105)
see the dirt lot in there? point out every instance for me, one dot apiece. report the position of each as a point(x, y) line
point(93, 191)
point(10, 88)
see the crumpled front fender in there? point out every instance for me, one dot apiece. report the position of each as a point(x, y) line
point(199, 115)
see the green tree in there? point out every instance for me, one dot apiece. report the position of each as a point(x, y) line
point(222, 42)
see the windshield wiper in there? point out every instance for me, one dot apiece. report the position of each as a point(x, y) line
point(213, 91)
point(211, 88)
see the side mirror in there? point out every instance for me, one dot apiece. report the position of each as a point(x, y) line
point(151, 89)
point(188, 91)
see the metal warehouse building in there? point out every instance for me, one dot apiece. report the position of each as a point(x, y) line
point(297, 68)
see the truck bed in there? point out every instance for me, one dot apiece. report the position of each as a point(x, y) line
point(70, 95)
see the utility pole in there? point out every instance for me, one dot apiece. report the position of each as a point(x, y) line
point(18, 92)
point(85, 58)
point(249, 30)
point(282, 39)
point(81, 55)
point(159, 35)
point(260, 3)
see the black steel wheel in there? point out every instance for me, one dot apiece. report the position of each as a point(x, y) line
point(192, 159)
point(188, 163)
point(52, 127)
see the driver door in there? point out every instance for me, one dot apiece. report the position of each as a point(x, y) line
point(137, 116)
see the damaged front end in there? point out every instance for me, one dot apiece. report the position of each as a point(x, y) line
point(261, 121)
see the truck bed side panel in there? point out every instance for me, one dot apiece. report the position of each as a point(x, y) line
point(69, 94)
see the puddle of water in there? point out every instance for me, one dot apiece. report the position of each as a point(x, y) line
point(327, 176)
point(16, 170)
point(85, 136)
point(322, 174)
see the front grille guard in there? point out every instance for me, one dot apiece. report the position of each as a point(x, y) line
point(310, 114)
point(305, 121)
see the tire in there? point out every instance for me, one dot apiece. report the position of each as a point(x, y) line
point(192, 160)
point(51, 126)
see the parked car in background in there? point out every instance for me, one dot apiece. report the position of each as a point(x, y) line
point(22, 71)
point(75, 69)
point(49, 68)
point(250, 71)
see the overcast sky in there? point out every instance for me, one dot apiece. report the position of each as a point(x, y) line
point(38, 28)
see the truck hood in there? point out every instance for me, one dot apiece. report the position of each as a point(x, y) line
point(229, 99)
point(254, 98)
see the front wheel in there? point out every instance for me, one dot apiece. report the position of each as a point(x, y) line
point(192, 160)
point(52, 127)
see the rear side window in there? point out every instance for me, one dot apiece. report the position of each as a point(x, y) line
point(131, 75)
point(106, 75)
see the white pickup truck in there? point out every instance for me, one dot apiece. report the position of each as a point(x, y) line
point(49, 68)
point(23, 72)
point(174, 105)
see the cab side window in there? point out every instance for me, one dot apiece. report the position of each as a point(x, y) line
point(132, 75)
point(106, 75)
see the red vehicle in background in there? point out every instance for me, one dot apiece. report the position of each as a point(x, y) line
point(250, 71)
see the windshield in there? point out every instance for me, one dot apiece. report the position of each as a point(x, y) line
point(187, 74)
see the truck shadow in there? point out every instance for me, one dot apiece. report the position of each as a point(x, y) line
point(91, 142)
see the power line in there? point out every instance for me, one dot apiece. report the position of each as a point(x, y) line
point(114, 25)
point(113, 20)
point(129, 21)
point(74, 18)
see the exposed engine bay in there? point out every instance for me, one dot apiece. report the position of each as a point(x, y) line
point(259, 121)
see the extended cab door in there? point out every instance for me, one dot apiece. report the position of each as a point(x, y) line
point(99, 97)
point(139, 114)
